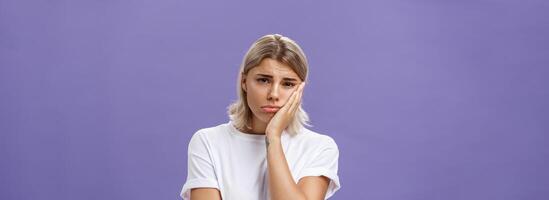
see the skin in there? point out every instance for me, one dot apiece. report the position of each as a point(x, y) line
point(274, 83)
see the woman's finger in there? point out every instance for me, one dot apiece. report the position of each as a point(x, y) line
point(297, 100)
point(288, 103)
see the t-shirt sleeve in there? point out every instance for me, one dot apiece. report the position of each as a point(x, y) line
point(325, 163)
point(200, 169)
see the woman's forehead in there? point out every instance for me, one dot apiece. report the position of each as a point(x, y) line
point(274, 68)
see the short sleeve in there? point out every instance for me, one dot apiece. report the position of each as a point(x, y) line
point(200, 169)
point(325, 163)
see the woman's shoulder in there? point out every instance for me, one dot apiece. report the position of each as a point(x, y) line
point(317, 138)
point(211, 132)
point(212, 129)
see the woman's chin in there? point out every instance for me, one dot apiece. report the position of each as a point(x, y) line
point(270, 115)
point(267, 117)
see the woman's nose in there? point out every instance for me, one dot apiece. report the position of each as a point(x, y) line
point(273, 93)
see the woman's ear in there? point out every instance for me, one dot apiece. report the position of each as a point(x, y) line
point(243, 83)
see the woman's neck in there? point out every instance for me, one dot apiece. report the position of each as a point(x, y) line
point(257, 127)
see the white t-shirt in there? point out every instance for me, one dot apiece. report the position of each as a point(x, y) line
point(235, 163)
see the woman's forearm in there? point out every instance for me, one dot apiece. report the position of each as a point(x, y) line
point(281, 182)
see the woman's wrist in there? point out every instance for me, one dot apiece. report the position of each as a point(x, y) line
point(271, 141)
point(275, 134)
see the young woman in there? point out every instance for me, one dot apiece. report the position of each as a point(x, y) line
point(264, 151)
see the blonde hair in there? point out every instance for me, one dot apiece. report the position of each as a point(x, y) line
point(281, 49)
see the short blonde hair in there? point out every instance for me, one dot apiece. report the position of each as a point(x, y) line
point(281, 49)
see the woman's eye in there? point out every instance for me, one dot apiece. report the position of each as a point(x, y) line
point(262, 80)
point(289, 84)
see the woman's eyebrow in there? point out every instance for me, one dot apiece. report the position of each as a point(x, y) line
point(285, 78)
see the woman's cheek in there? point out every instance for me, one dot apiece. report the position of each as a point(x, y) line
point(286, 97)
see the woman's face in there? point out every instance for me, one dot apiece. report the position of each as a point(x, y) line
point(268, 87)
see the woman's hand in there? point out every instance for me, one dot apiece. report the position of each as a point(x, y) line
point(282, 118)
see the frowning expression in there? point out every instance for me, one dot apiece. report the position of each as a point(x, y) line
point(268, 86)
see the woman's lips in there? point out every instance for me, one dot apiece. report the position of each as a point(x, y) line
point(270, 109)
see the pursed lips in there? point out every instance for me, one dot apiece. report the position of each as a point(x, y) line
point(270, 109)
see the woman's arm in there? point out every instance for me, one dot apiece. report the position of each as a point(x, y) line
point(205, 194)
point(281, 183)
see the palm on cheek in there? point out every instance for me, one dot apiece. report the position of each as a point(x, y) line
point(283, 117)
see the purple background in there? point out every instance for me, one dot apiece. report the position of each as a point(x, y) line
point(426, 99)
